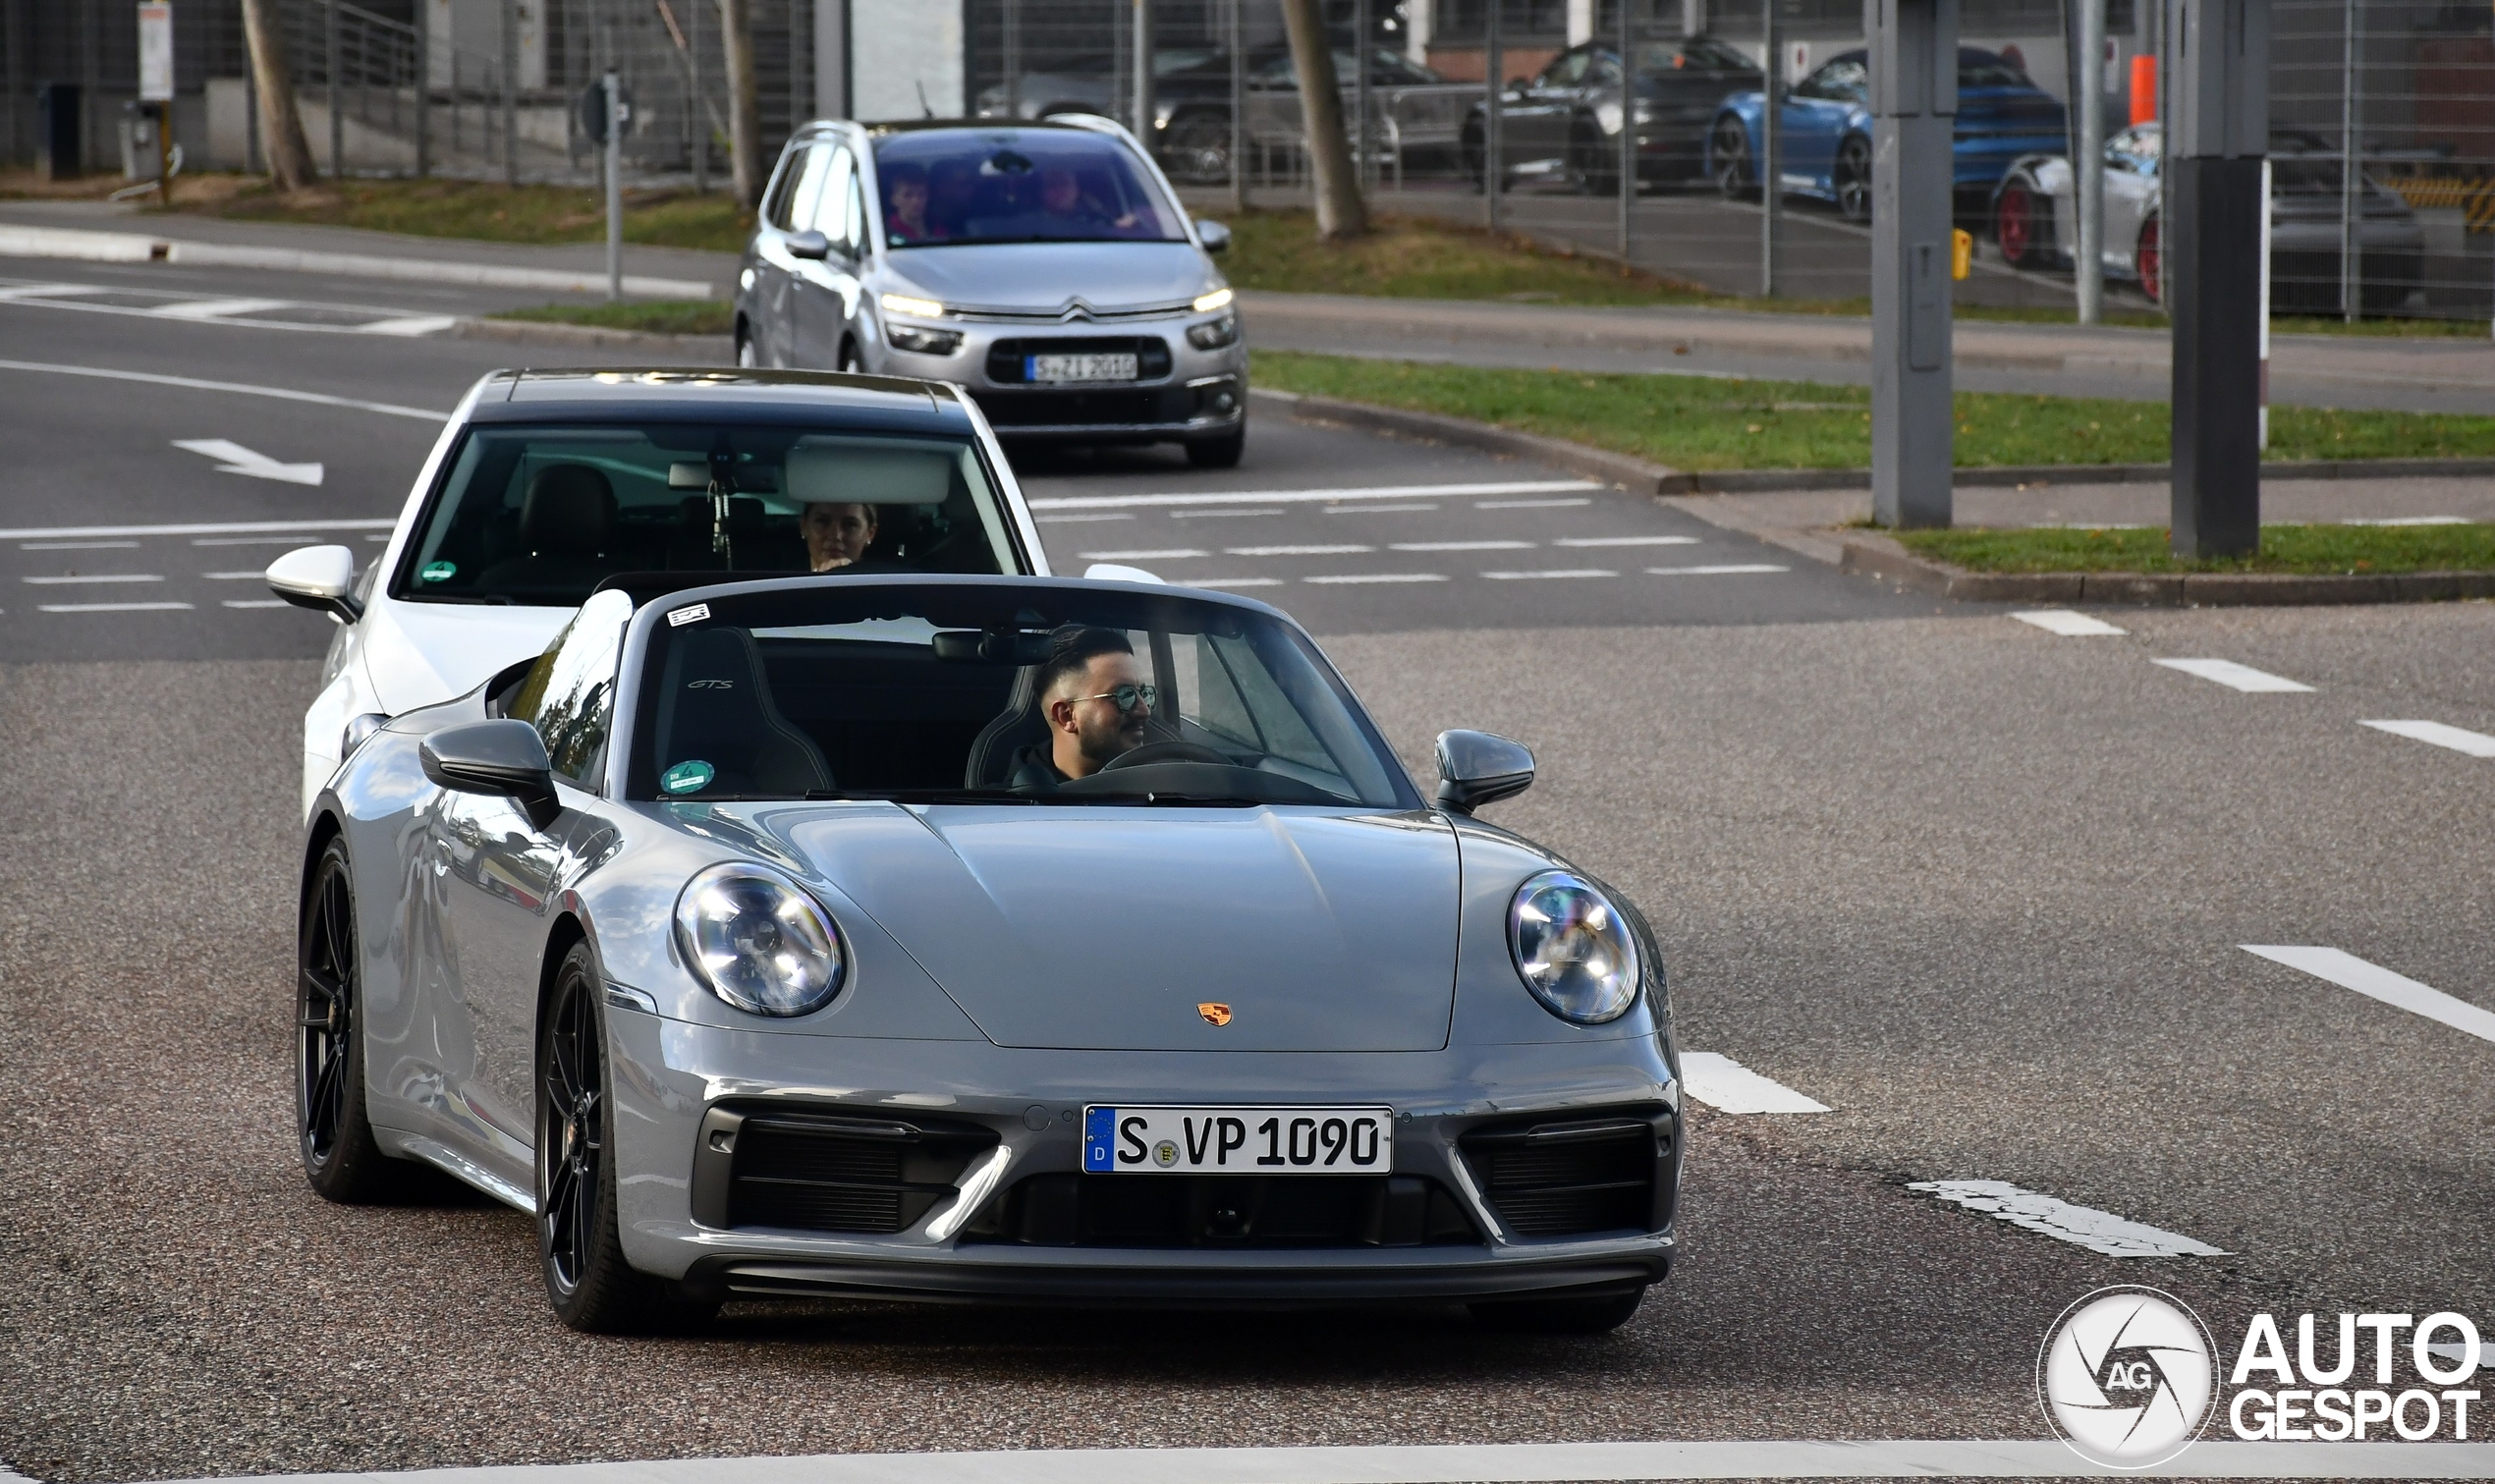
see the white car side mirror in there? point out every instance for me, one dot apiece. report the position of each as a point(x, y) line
point(1214, 236)
point(318, 577)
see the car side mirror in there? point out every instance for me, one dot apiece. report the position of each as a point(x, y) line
point(1475, 768)
point(813, 246)
point(322, 579)
point(1214, 236)
point(505, 757)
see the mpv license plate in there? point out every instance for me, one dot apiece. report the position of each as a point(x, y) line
point(1237, 1140)
point(1117, 367)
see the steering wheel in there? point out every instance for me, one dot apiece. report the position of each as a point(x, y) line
point(1166, 752)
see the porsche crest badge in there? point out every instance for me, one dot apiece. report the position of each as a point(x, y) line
point(1214, 1013)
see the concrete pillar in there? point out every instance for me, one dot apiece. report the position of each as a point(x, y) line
point(1914, 109)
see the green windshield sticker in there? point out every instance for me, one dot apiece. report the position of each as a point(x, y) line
point(439, 572)
point(687, 777)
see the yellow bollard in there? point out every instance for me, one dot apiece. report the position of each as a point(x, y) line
point(1962, 252)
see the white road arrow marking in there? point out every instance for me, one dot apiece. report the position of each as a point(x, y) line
point(234, 459)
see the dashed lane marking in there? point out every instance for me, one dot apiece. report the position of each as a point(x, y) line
point(82, 578)
point(1486, 1463)
point(1562, 573)
point(114, 607)
point(1626, 541)
point(1379, 576)
point(2069, 624)
point(2236, 677)
point(240, 388)
point(2376, 983)
point(1459, 546)
point(1721, 570)
point(1164, 554)
point(216, 308)
point(1527, 504)
point(1073, 519)
point(256, 603)
point(1393, 509)
point(2084, 1226)
point(1728, 1086)
point(75, 545)
point(2458, 738)
point(1217, 514)
point(1301, 496)
point(1337, 550)
point(1231, 583)
point(234, 576)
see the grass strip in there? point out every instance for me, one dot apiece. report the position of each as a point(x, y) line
point(1708, 423)
point(482, 210)
point(654, 316)
point(2307, 550)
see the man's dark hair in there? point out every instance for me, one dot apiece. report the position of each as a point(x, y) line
point(1072, 648)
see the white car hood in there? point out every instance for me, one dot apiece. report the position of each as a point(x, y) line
point(419, 654)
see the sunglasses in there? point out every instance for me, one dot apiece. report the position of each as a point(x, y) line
point(1128, 697)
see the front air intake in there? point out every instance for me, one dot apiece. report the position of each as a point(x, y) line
point(1577, 1177)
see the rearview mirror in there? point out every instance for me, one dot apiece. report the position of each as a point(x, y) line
point(1214, 236)
point(812, 245)
point(1475, 768)
point(504, 757)
point(318, 577)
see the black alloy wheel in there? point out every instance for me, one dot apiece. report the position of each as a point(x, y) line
point(1594, 161)
point(580, 1236)
point(1597, 1314)
point(341, 1160)
point(1220, 451)
point(1474, 147)
point(850, 360)
point(1734, 177)
point(1853, 179)
point(1197, 153)
point(745, 355)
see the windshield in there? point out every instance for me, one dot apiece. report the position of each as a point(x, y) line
point(1697, 53)
point(1006, 694)
point(948, 187)
point(1983, 69)
point(542, 515)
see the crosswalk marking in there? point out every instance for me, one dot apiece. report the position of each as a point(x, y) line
point(2458, 738)
point(2376, 983)
point(2084, 1226)
point(1728, 1086)
point(2069, 624)
point(2236, 677)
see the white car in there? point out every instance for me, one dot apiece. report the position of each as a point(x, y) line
point(545, 484)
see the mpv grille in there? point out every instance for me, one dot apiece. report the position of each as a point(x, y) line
point(1575, 1176)
point(1005, 366)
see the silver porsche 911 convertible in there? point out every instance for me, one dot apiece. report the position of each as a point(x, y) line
point(887, 935)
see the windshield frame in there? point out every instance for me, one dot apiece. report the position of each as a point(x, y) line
point(636, 697)
point(405, 554)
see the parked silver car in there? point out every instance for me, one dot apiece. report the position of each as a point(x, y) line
point(979, 937)
point(2035, 222)
point(1046, 267)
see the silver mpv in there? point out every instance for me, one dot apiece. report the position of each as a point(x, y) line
point(1046, 267)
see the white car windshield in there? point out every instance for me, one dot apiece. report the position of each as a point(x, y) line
point(994, 693)
point(542, 515)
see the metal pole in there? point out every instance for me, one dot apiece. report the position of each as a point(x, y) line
point(2351, 167)
point(337, 120)
point(1493, 152)
point(2216, 139)
point(1013, 59)
point(2090, 263)
point(1360, 35)
point(1771, 147)
point(1144, 120)
point(511, 93)
point(1237, 111)
point(701, 117)
point(1628, 166)
point(1913, 101)
point(614, 187)
point(423, 88)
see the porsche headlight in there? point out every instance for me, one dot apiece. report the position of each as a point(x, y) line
point(758, 941)
point(1572, 949)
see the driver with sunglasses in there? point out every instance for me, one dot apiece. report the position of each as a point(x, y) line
point(1098, 705)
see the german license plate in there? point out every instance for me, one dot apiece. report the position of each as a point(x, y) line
point(1112, 366)
point(1237, 1140)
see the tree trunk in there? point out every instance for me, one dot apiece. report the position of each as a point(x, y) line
point(744, 123)
point(290, 161)
point(1341, 214)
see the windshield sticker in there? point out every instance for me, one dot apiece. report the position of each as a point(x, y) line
point(683, 616)
point(687, 777)
point(439, 572)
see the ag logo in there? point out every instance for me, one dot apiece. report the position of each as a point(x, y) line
point(2124, 1377)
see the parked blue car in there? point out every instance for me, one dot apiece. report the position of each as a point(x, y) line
point(1827, 131)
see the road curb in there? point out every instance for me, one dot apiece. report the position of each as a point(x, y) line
point(1880, 556)
point(141, 248)
point(720, 347)
point(1639, 476)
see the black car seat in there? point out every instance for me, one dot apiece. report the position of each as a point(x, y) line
point(567, 528)
point(1022, 724)
point(718, 710)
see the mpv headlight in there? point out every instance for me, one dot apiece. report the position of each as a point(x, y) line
point(1213, 334)
point(758, 941)
point(1572, 949)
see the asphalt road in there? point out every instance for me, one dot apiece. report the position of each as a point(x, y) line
point(1977, 886)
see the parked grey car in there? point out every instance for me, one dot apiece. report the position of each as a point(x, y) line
point(978, 938)
point(2036, 223)
point(1046, 267)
